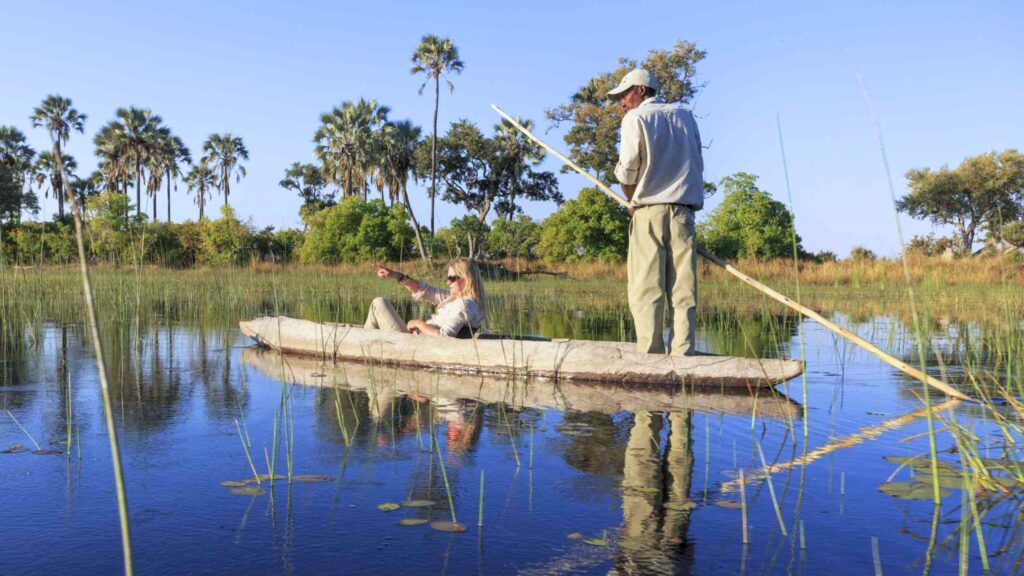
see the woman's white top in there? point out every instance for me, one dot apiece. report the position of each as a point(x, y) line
point(452, 313)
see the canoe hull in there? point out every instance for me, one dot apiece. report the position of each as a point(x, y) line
point(559, 359)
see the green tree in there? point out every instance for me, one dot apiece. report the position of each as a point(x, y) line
point(226, 240)
point(515, 238)
point(57, 115)
point(436, 57)
point(16, 158)
point(47, 175)
point(482, 173)
point(748, 223)
point(224, 153)
point(166, 164)
point(200, 180)
point(347, 144)
point(983, 192)
point(1013, 234)
point(308, 182)
point(354, 230)
point(862, 254)
point(591, 227)
point(135, 134)
point(593, 136)
point(400, 141)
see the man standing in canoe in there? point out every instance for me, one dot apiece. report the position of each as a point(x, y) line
point(661, 171)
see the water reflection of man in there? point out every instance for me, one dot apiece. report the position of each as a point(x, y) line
point(656, 489)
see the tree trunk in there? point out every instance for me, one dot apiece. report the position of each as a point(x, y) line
point(168, 196)
point(227, 186)
point(202, 201)
point(433, 152)
point(415, 226)
point(56, 181)
point(156, 194)
point(138, 187)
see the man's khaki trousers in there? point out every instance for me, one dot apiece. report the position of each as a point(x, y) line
point(662, 271)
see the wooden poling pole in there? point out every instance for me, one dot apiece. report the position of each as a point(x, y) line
point(881, 354)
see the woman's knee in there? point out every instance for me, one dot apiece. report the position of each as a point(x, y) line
point(378, 302)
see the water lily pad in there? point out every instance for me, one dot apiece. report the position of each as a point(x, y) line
point(575, 536)
point(388, 507)
point(412, 521)
point(954, 481)
point(447, 526)
point(911, 490)
point(417, 503)
point(596, 541)
point(15, 449)
point(681, 505)
point(905, 459)
point(728, 504)
point(248, 490)
point(311, 478)
point(234, 483)
point(47, 452)
point(264, 478)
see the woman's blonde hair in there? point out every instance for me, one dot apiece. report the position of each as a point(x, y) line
point(467, 269)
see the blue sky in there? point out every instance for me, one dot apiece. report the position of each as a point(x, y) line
point(944, 78)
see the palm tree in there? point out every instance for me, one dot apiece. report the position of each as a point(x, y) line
point(135, 133)
point(200, 180)
point(517, 153)
point(224, 153)
point(59, 118)
point(46, 171)
point(17, 157)
point(166, 164)
point(346, 142)
point(399, 142)
point(111, 160)
point(435, 57)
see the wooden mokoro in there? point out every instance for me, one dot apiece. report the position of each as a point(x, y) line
point(384, 383)
point(559, 359)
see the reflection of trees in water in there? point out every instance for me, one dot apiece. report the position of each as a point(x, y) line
point(595, 443)
point(753, 336)
point(144, 381)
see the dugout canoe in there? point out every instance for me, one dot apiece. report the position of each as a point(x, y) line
point(385, 383)
point(557, 359)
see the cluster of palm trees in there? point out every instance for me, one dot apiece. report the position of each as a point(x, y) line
point(135, 150)
point(357, 146)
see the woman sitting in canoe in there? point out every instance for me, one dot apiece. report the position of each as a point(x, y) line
point(460, 308)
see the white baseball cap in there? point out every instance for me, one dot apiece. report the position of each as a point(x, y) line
point(637, 77)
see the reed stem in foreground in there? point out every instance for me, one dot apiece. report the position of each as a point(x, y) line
point(101, 368)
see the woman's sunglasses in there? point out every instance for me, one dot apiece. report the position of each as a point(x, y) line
point(452, 279)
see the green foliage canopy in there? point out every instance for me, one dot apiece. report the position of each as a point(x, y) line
point(593, 138)
point(983, 192)
point(354, 230)
point(748, 223)
point(591, 227)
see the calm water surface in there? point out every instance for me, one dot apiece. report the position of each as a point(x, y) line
point(652, 472)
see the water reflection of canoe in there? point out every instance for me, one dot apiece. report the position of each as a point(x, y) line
point(602, 397)
point(560, 359)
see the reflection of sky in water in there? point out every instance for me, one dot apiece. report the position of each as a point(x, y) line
point(630, 473)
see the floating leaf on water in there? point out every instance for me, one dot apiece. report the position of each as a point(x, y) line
point(681, 505)
point(447, 526)
point(388, 507)
point(417, 503)
point(264, 478)
point(248, 490)
point(911, 490)
point(954, 481)
point(999, 464)
point(47, 452)
point(234, 483)
point(15, 449)
point(575, 536)
point(311, 478)
point(412, 521)
point(943, 467)
point(905, 459)
point(596, 541)
point(728, 504)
